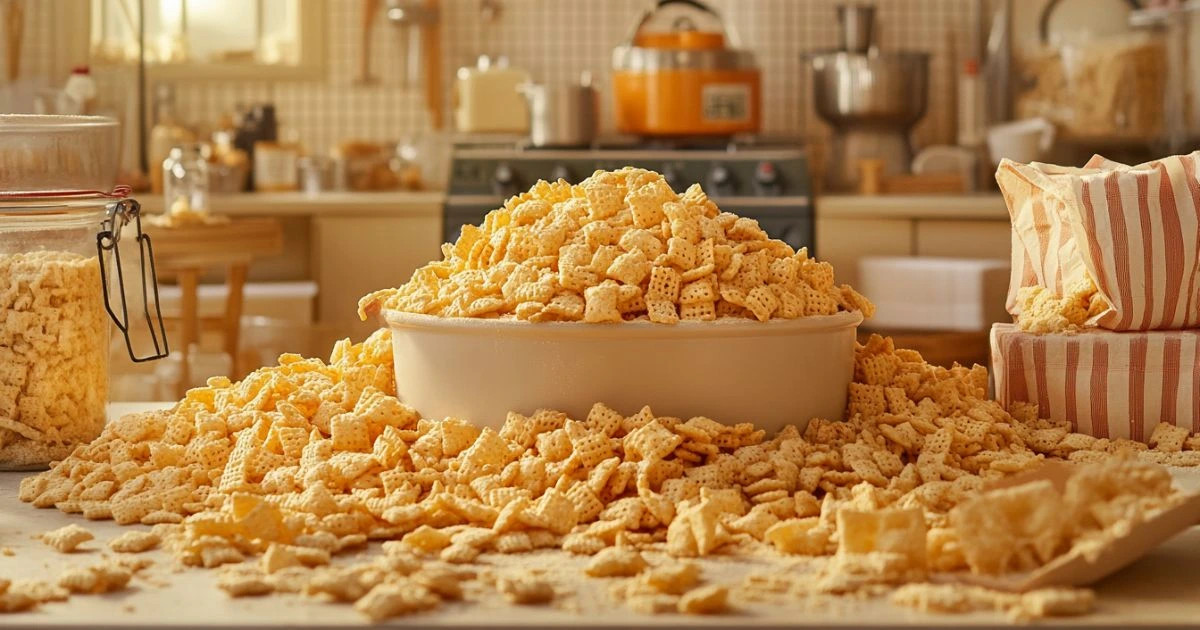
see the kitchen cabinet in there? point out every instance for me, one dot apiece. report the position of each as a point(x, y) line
point(357, 255)
point(842, 242)
point(852, 227)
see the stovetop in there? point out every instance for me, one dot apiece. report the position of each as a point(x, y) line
point(740, 166)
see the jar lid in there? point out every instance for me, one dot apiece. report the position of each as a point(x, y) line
point(58, 202)
point(58, 153)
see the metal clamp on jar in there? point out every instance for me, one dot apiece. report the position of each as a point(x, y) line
point(60, 251)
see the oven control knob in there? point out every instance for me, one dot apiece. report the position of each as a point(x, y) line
point(766, 179)
point(671, 174)
point(560, 171)
point(504, 181)
point(720, 181)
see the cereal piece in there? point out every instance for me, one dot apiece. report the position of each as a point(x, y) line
point(238, 584)
point(601, 304)
point(662, 311)
point(583, 544)
point(66, 539)
point(616, 562)
point(395, 599)
point(1013, 529)
point(897, 531)
point(217, 555)
point(630, 268)
point(459, 553)
point(673, 578)
point(279, 557)
point(705, 600)
point(426, 539)
point(525, 589)
point(650, 442)
point(134, 541)
point(665, 285)
point(803, 536)
point(444, 583)
point(1168, 438)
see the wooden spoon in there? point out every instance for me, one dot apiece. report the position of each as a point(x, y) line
point(370, 10)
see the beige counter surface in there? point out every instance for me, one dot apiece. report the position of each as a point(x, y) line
point(352, 204)
point(974, 207)
point(1162, 589)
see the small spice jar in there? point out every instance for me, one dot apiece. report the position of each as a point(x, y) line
point(59, 256)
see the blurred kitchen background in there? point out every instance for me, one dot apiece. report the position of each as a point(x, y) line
point(316, 150)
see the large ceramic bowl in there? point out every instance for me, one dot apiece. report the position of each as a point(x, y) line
point(58, 153)
point(772, 374)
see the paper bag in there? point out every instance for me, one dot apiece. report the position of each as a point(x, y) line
point(1106, 384)
point(1132, 231)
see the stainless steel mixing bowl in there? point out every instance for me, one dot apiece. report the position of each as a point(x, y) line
point(883, 89)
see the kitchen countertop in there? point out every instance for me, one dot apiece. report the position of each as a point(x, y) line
point(357, 204)
point(977, 207)
point(1162, 589)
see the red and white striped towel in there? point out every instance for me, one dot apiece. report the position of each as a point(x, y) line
point(1106, 384)
point(1134, 231)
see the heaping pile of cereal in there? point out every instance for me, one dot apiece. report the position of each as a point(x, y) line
point(307, 460)
point(619, 246)
point(53, 355)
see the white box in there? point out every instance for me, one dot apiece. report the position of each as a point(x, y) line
point(924, 293)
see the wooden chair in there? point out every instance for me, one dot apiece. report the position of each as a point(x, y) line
point(187, 252)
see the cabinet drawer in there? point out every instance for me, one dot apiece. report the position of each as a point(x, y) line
point(358, 255)
point(964, 239)
point(842, 242)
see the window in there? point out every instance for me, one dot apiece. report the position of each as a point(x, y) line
point(211, 38)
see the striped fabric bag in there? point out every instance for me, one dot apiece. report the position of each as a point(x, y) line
point(1134, 231)
point(1106, 384)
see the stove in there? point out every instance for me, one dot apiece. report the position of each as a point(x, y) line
point(766, 179)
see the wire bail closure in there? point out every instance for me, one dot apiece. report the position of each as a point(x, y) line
point(119, 214)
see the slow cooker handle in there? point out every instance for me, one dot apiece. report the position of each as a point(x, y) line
point(727, 28)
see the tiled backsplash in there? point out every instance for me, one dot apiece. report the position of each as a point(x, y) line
point(555, 40)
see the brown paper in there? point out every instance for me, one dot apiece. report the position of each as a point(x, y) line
point(1073, 568)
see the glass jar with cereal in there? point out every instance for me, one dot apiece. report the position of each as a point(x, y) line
point(61, 282)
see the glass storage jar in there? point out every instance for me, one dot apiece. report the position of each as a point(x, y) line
point(60, 283)
point(185, 180)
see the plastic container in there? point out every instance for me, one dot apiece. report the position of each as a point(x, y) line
point(56, 262)
point(57, 153)
point(928, 293)
point(771, 373)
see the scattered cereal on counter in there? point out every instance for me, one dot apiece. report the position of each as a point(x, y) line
point(961, 598)
point(705, 600)
point(135, 541)
point(66, 539)
point(525, 588)
point(96, 579)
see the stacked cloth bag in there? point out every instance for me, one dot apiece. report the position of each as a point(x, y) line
point(1105, 292)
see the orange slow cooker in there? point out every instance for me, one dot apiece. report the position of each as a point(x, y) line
point(675, 77)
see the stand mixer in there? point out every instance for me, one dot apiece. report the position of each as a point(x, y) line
point(871, 99)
